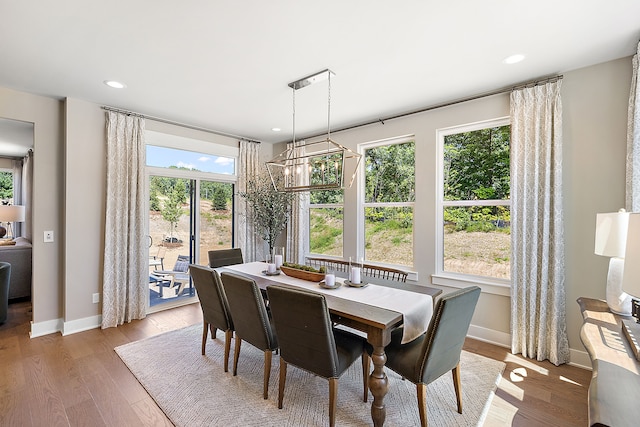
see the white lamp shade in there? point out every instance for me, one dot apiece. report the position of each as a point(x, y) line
point(611, 234)
point(12, 213)
point(631, 275)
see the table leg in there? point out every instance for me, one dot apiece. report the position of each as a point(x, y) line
point(379, 385)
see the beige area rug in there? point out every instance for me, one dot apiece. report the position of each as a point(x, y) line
point(193, 390)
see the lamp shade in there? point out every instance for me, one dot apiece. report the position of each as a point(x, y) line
point(631, 275)
point(11, 213)
point(611, 234)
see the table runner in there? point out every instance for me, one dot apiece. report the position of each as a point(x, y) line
point(416, 308)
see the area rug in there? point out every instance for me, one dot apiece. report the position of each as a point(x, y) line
point(193, 390)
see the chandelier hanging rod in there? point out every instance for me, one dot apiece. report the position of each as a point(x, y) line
point(311, 79)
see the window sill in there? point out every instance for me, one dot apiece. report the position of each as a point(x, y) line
point(487, 285)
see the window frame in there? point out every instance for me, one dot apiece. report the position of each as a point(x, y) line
point(447, 278)
point(362, 204)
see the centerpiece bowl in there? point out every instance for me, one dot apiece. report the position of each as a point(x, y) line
point(302, 274)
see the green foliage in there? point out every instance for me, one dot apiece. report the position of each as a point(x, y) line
point(154, 201)
point(219, 199)
point(478, 218)
point(390, 173)
point(6, 185)
point(270, 209)
point(304, 267)
point(172, 209)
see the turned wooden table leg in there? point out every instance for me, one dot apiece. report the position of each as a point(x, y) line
point(379, 385)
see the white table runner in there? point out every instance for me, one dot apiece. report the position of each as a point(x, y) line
point(416, 308)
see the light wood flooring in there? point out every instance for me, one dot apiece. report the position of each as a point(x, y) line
point(78, 380)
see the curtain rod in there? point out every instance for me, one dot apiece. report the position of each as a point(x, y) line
point(171, 122)
point(449, 103)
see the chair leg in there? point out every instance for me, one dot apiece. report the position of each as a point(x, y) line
point(366, 365)
point(267, 374)
point(422, 403)
point(236, 354)
point(457, 385)
point(281, 383)
point(205, 333)
point(227, 348)
point(333, 397)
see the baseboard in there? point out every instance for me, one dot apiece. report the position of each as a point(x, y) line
point(45, 328)
point(579, 359)
point(81, 325)
point(490, 336)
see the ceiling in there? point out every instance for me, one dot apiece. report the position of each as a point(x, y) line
point(226, 65)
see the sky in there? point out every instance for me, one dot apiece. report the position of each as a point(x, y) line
point(166, 157)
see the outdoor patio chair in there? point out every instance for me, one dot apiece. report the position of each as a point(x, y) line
point(158, 259)
point(178, 277)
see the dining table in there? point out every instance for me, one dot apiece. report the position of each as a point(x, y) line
point(373, 309)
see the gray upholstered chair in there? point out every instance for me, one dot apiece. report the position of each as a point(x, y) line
point(437, 351)
point(250, 320)
point(224, 257)
point(5, 277)
point(309, 341)
point(215, 308)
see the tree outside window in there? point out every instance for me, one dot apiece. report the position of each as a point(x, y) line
point(476, 217)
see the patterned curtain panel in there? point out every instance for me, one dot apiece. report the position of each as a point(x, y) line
point(633, 141)
point(248, 167)
point(298, 225)
point(125, 259)
point(538, 324)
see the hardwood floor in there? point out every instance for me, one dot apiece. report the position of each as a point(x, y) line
point(78, 380)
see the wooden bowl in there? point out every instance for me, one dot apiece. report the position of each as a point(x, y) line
point(302, 274)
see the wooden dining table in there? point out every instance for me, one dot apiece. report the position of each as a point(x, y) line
point(377, 323)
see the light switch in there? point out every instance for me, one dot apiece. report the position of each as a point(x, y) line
point(48, 236)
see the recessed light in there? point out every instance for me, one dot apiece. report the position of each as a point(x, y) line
point(276, 129)
point(114, 84)
point(514, 59)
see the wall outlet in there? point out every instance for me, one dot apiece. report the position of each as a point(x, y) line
point(48, 236)
point(96, 298)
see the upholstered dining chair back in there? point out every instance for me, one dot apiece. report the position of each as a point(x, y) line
point(215, 307)
point(438, 350)
point(5, 277)
point(224, 257)
point(250, 320)
point(308, 340)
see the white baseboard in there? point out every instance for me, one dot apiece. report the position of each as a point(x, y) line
point(45, 328)
point(81, 325)
point(580, 359)
point(490, 336)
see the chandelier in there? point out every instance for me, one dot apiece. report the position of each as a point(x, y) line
point(317, 165)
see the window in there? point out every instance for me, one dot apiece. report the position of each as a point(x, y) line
point(326, 222)
point(474, 212)
point(388, 200)
point(6, 187)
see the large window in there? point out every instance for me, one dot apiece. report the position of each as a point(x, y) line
point(6, 187)
point(474, 211)
point(388, 197)
point(326, 222)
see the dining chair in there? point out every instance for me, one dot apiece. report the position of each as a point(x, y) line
point(215, 307)
point(438, 350)
point(250, 320)
point(309, 341)
point(224, 257)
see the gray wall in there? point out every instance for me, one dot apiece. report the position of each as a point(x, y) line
point(69, 193)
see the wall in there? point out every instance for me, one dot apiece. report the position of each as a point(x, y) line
point(595, 101)
point(47, 116)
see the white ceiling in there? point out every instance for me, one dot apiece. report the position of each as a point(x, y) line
point(225, 65)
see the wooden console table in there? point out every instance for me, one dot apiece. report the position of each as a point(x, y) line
point(614, 393)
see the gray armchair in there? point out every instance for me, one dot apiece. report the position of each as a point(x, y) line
point(437, 351)
point(309, 341)
point(215, 307)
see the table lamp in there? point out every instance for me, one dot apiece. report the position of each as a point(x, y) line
point(631, 281)
point(11, 213)
point(611, 238)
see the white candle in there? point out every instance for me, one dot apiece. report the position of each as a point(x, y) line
point(271, 268)
point(355, 275)
point(330, 280)
point(278, 260)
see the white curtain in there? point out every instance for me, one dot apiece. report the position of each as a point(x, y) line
point(633, 141)
point(248, 168)
point(23, 194)
point(538, 324)
point(125, 278)
point(298, 225)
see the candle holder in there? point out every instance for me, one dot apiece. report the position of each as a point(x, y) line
point(278, 256)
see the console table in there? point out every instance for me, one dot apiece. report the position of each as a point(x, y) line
point(614, 393)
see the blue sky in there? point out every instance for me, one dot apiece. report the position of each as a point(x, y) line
point(166, 157)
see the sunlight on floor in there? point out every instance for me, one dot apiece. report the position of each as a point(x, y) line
point(565, 379)
point(512, 389)
point(501, 413)
point(525, 363)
